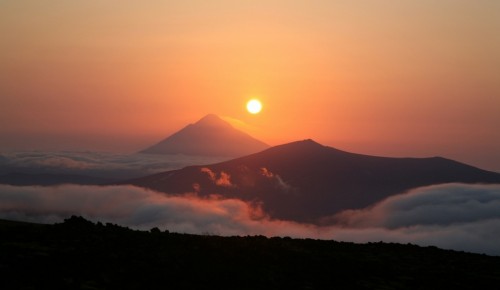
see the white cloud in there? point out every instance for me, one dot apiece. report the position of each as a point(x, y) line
point(454, 216)
point(439, 205)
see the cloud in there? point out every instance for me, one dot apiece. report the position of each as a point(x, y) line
point(101, 164)
point(63, 162)
point(209, 172)
point(280, 183)
point(283, 185)
point(452, 216)
point(127, 205)
point(438, 205)
point(223, 180)
point(266, 172)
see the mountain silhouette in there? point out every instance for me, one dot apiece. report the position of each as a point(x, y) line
point(210, 136)
point(307, 182)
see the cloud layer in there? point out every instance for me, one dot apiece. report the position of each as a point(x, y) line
point(453, 216)
point(438, 205)
point(99, 164)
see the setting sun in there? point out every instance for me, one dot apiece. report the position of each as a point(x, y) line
point(254, 106)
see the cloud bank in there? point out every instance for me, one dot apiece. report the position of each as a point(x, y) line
point(438, 205)
point(452, 216)
point(101, 164)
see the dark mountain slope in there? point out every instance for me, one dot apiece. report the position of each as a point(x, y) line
point(79, 254)
point(305, 181)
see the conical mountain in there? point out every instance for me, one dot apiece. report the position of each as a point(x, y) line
point(210, 136)
point(307, 182)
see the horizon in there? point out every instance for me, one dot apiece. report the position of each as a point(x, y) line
point(239, 126)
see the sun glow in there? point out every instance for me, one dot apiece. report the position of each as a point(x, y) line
point(254, 106)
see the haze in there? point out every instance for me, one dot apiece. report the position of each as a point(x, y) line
point(393, 78)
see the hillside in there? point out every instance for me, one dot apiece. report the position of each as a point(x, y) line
point(79, 254)
point(307, 182)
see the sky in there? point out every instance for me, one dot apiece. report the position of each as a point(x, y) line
point(392, 78)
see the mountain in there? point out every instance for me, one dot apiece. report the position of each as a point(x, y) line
point(210, 136)
point(307, 182)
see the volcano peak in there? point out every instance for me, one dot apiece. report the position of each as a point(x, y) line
point(209, 136)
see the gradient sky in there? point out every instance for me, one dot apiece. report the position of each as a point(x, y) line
point(393, 78)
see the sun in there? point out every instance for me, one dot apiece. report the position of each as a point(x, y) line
point(254, 106)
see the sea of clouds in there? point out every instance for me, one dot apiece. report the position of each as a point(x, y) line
point(451, 216)
point(98, 164)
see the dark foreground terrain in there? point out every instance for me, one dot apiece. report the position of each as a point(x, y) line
point(79, 254)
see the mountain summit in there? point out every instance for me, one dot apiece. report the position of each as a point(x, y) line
point(210, 136)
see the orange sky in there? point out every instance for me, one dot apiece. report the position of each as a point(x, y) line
point(394, 78)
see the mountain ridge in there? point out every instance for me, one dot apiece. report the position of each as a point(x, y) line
point(305, 181)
